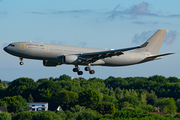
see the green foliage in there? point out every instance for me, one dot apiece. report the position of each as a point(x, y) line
point(62, 114)
point(148, 108)
point(3, 86)
point(178, 105)
point(126, 94)
point(46, 115)
point(5, 116)
point(3, 103)
point(77, 108)
point(17, 104)
point(88, 115)
point(89, 98)
point(22, 86)
point(30, 98)
point(45, 94)
point(23, 116)
point(71, 115)
point(106, 108)
point(167, 105)
point(64, 77)
point(67, 99)
point(131, 114)
point(48, 91)
point(151, 98)
point(42, 80)
point(115, 82)
point(132, 100)
point(107, 98)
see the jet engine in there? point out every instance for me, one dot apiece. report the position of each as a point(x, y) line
point(71, 59)
point(49, 63)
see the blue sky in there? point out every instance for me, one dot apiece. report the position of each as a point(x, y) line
point(96, 24)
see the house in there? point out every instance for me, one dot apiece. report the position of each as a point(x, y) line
point(3, 109)
point(43, 106)
point(38, 106)
point(55, 108)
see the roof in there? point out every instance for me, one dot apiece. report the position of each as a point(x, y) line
point(3, 109)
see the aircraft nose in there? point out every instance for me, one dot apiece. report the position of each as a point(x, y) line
point(5, 49)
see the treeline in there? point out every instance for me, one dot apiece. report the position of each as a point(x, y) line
point(102, 99)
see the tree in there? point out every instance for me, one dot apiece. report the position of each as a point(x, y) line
point(5, 116)
point(30, 98)
point(15, 107)
point(23, 116)
point(46, 115)
point(89, 98)
point(178, 105)
point(67, 99)
point(132, 100)
point(77, 108)
point(16, 104)
point(107, 98)
point(49, 90)
point(88, 115)
point(3, 103)
point(22, 86)
point(157, 78)
point(131, 114)
point(167, 105)
point(106, 108)
point(64, 77)
point(143, 98)
point(45, 94)
point(42, 80)
point(151, 98)
point(173, 79)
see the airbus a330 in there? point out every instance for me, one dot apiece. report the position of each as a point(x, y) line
point(53, 55)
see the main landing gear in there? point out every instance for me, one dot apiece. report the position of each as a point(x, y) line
point(88, 68)
point(76, 69)
point(21, 63)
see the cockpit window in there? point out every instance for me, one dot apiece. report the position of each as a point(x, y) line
point(12, 45)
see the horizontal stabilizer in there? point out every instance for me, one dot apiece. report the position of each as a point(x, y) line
point(157, 56)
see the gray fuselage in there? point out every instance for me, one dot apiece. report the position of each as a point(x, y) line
point(42, 51)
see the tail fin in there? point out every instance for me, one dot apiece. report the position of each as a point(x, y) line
point(153, 44)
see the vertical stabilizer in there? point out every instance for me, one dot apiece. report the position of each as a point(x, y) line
point(153, 44)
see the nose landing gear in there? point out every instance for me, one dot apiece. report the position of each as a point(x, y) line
point(21, 63)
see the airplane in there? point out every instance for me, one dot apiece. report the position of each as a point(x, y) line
point(53, 55)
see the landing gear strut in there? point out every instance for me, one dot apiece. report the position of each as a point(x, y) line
point(76, 69)
point(21, 63)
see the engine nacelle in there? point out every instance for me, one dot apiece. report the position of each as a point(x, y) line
point(71, 59)
point(49, 63)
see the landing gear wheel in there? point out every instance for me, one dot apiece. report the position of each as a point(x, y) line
point(92, 72)
point(79, 72)
point(87, 69)
point(75, 69)
point(21, 63)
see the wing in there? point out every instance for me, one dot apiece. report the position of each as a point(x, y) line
point(94, 56)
